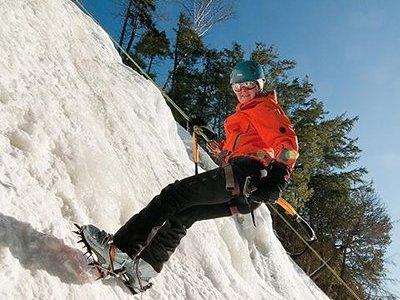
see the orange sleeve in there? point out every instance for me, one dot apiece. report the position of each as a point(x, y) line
point(276, 131)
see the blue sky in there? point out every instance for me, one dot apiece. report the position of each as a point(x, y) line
point(350, 51)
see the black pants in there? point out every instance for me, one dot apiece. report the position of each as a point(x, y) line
point(178, 206)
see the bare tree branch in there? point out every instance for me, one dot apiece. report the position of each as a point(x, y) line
point(204, 14)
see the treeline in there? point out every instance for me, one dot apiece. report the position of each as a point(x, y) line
point(352, 225)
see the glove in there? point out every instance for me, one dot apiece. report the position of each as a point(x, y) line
point(198, 121)
point(271, 187)
point(215, 147)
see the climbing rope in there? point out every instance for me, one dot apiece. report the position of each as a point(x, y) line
point(185, 116)
point(315, 252)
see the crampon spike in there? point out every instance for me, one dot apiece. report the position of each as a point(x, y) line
point(77, 226)
point(77, 232)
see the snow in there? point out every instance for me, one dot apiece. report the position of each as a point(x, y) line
point(85, 139)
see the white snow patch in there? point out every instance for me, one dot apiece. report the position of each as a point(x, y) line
point(84, 138)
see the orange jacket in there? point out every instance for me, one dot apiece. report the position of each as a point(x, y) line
point(259, 128)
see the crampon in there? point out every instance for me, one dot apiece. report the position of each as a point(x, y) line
point(106, 270)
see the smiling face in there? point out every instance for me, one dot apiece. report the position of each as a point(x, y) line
point(246, 94)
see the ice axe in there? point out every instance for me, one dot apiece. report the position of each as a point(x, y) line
point(248, 189)
point(197, 131)
point(289, 210)
point(196, 152)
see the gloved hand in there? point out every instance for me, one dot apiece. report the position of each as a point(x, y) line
point(215, 147)
point(198, 121)
point(270, 187)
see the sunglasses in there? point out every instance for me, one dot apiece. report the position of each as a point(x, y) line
point(248, 85)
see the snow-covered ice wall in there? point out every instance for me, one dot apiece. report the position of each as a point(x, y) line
point(84, 138)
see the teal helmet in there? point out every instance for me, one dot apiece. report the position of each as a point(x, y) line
point(248, 70)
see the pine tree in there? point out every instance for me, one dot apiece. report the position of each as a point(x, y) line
point(138, 15)
point(189, 47)
point(183, 79)
point(217, 72)
point(152, 45)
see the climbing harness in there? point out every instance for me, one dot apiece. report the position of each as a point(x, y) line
point(280, 202)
